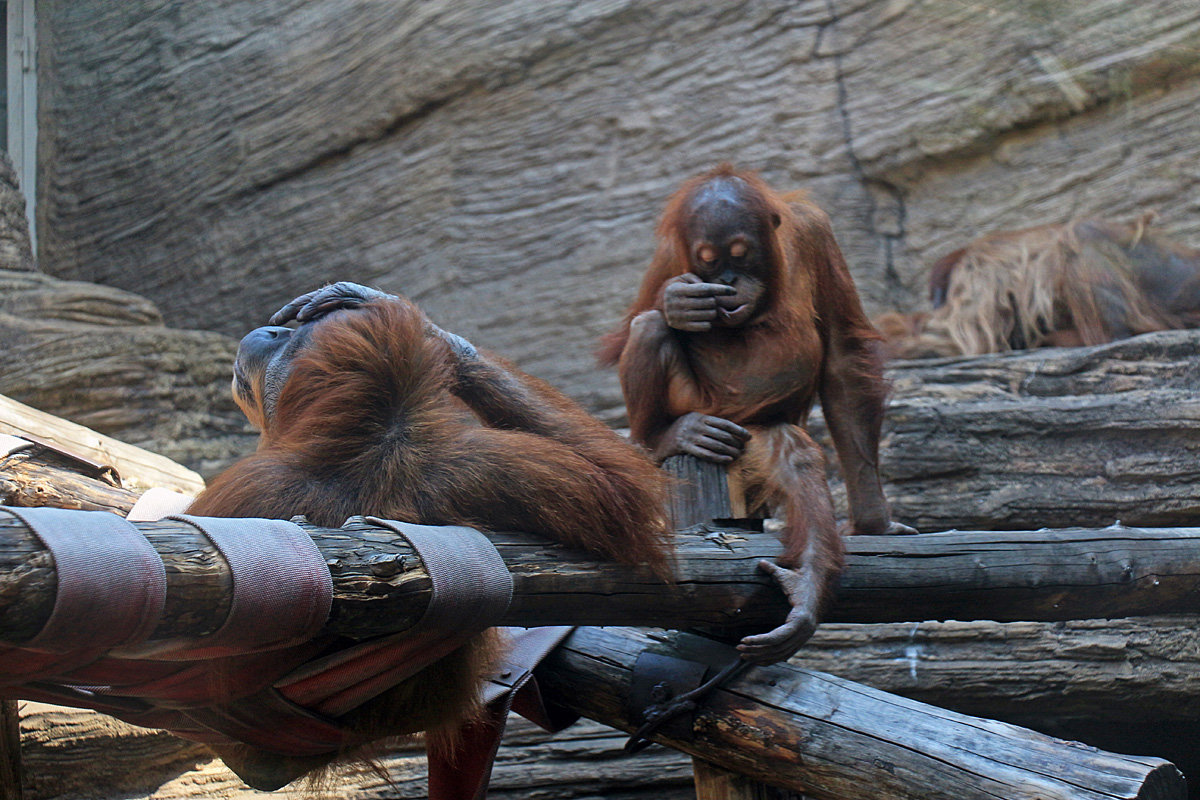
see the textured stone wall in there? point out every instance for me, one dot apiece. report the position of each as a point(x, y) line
point(503, 162)
point(101, 357)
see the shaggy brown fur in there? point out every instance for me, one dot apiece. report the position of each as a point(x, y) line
point(1081, 283)
point(377, 415)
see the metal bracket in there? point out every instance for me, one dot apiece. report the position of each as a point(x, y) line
point(657, 680)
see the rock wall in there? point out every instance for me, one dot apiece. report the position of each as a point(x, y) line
point(101, 357)
point(503, 162)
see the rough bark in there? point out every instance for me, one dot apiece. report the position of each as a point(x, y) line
point(503, 161)
point(80, 755)
point(33, 469)
point(10, 751)
point(1045, 438)
point(1113, 672)
point(381, 587)
point(811, 732)
point(28, 480)
point(1126, 685)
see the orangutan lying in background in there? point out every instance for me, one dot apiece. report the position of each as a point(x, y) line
point(1080, 283)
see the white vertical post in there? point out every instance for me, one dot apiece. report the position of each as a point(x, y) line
point(21, 49)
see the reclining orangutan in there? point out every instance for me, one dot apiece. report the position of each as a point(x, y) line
point(1085, 282)
point(369, 408)
point(745, 316)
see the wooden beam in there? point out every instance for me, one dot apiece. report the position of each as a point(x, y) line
point(1111, 672)
point(82, 755)
point(10, 751)
point(138, 468)
point(32, 475)
point(1048, 437)
point(381, 587)
point(700, 493)
point(829, 738)
point(716, 783)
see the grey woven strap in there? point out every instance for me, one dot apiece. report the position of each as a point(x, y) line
point(111, 585)
point(472, 587)
point(282, 589)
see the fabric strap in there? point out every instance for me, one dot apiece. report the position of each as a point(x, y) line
point(156, 503)
point(282, 589)
point(111, 583)
point(464, 773)
point(472, 587)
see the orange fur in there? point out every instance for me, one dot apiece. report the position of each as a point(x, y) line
point(1081, 283)
point(378, 417)
point(807, 337)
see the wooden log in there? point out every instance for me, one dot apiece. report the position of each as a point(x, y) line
point(704, 493)
point(1126, 685)
point(72, 754)
point(715, 783)
point(137, 467)
point(700, 493)
point(1048, 437)
point(809, 731)
point(1113, 672)
point(33, 475)
point(10, 751)
point(381, 587)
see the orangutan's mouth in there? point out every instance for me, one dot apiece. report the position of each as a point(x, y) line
point(733, 317)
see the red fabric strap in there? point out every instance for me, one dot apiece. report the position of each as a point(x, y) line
point(111, 582)
point(282, 589)
point(246, 687)
point(464, 773)
point(472, 589)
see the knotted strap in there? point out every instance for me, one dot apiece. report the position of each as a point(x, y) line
point(111, 583)
point(472, 587)
point(282, 589)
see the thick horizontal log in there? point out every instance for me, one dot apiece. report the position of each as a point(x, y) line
point(809, 731)
point(380, 585)
point(1127, 685)
point(1113, 672)
point(1044, 438)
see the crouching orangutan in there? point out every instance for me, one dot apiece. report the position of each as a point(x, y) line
point(1085, 282)
point(369, 408)
point(746, 315)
